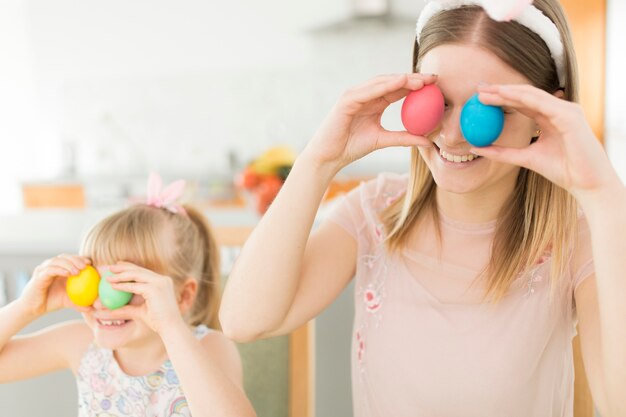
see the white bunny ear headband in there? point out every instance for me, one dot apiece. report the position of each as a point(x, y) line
point(521, 11)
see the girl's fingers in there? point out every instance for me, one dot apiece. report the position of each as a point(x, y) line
point(514, 156)
point(78, 262)
point(66, 264)
point(133, 287)
point(56, 271)
point(124, 267)
point(130, 276)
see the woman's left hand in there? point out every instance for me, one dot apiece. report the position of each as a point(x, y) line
point(567, 152)
point(159, 308)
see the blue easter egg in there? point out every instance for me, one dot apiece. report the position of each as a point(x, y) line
point(481, 124)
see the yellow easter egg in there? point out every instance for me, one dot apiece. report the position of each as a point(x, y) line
point(83, 288)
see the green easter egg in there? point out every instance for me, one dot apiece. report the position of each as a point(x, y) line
point(110, 297)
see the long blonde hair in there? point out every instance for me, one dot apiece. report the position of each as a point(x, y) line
point(176, 245)
point(539, 216)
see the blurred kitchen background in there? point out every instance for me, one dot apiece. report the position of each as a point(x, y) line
point(95, 94)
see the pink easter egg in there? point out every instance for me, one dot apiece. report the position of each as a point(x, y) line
point(422, 110)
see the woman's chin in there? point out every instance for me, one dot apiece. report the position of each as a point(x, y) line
point(455, 185)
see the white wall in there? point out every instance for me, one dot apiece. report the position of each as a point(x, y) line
point(175, 86)
point(616, 91)
point(19, 120)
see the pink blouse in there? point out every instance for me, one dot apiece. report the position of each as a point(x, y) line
point(424, 344)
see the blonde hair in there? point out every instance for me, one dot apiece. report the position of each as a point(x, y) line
point(176, 245)
point(539, 216)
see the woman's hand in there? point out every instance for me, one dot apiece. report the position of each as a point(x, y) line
point(353, 130)
point(158, 306)
point(45, 291)
point(567, 152)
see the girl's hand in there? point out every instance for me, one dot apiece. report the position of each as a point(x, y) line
point(353, 130)
point(45, 291)
point(160, 308)
point(567, 152)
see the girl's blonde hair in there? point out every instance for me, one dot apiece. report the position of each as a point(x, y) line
point(539, 216)
point(176, 245)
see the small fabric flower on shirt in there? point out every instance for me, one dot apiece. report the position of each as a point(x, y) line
point(369, 260)
point(534, 276)
point(379, 232)
point(372, 299)
point(360, 347)
point(393, 198)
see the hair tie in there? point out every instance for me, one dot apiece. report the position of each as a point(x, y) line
point(520, 11)
point(165, 197)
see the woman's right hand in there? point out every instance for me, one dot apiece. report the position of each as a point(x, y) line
point(45, 291)
point(353, 129)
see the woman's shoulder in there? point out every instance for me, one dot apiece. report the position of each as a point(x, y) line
point(379, 192)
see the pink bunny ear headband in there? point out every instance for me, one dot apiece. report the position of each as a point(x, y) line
point(521, 11)
point(165, 197)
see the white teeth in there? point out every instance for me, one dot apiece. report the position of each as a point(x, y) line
point(111, 322)
point(456, 158)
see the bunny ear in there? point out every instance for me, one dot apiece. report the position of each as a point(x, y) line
point(505, 10)
point(172, 192)
point(155, 183)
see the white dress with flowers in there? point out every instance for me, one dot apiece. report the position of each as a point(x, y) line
point(105, 390)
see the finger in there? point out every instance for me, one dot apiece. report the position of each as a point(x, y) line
point(54, 271)
point(403, 92)
point(57, 271)
point(131, 276)
point(79, 262)
point(382, 79)
point(389, 88)
point(529, 100)
point(514, 156)
point(65, 264)
point(123, 267)
point(496, 100)
point(134, 287)
point(401, 138)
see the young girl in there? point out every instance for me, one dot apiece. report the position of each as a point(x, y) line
point(473, 270)
point(153, 357)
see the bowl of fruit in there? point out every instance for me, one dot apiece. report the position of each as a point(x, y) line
point(265, 175)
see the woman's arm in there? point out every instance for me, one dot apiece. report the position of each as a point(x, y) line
point(568, 154)
point(606, 214)
point(283, 277)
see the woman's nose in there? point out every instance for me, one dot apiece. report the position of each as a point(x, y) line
point(451, 135)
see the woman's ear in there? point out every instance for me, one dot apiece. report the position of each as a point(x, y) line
point(559, 93)
point(187, 294)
